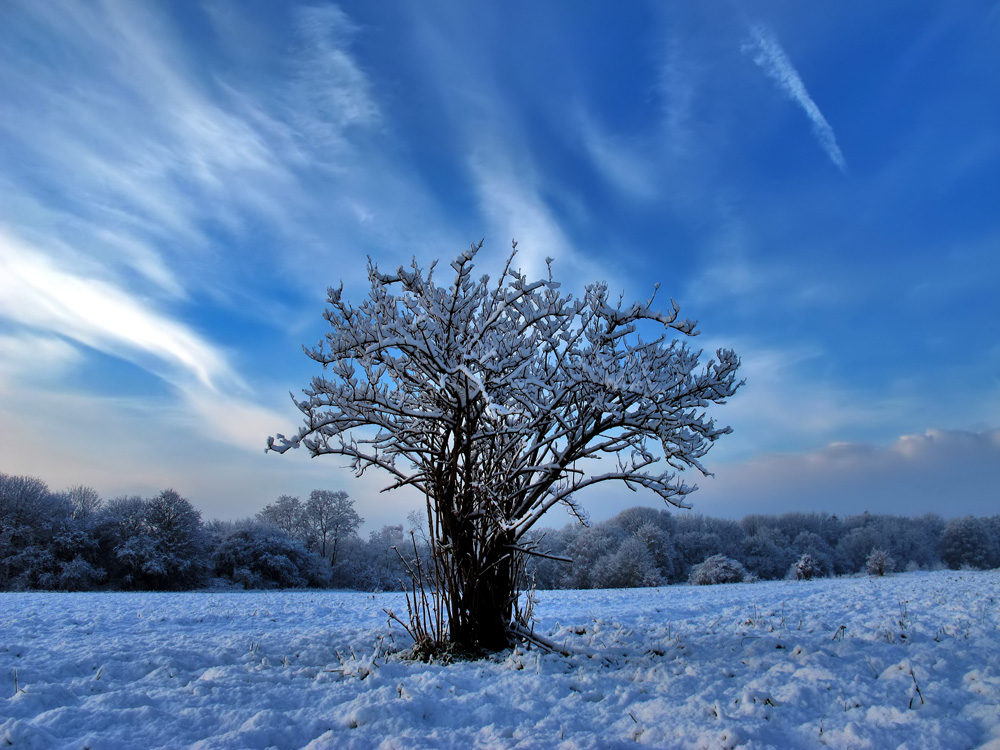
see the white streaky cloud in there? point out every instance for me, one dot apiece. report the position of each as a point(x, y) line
point(678, 81)
point(141, 166)
point(331, 93)
point(232, 420)
point(37, 294)
point(771, 58)
point(148, 151)
point(621, 166)
point(29, 357)
point(511, 202)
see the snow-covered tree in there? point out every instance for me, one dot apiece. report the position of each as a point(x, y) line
point(587, 547)
point(630, 566)
point(717, 569)
point(766, 554)
point(287, 514)
point(86, 502)
point(879, 562)
point(495, 400)
point(966, 542)
point(157, 543)
point(259, 556)
point(805, 568)
point(378, 563)
point(42, 545)
point(330, 518)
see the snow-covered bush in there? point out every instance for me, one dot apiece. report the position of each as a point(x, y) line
point(879, 562)
point(805, 569)
point(717, 569)
point(261, 557)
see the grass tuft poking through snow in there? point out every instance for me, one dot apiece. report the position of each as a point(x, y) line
point(910, 660)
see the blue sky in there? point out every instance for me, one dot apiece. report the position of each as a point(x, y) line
point(817, 184)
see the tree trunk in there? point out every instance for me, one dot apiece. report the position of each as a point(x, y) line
point(483, 606)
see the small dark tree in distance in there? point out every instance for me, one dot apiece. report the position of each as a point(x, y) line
point(495, 401)
point(330, 518)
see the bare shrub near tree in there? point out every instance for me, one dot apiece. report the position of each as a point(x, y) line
point(879, 562)
point(805, 569)
point(494, 401)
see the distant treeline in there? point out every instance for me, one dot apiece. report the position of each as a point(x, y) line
point(649, 547)
point(75, 540)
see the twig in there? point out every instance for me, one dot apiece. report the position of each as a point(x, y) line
point(536, 553)
point(545, 643)
point(917, 688)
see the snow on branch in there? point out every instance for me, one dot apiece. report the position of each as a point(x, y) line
point(514, 384)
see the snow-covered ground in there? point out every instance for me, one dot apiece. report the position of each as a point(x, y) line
point(906, 661)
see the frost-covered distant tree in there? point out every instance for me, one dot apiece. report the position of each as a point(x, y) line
point(856, 544)
point(718, 569)
point(699, 537)
point(548, 572)
point(41, 544)
point(765, 553)
point(493, 400)
point(157, 543)
point(377, 563)
point(587, 547)
point(811, 544)
point(288, 515)
point(630, 566)
point(181, 547)
point(966, 542)
point(259, 556)
point(805, 568)
point(993, 530)
point(86, 502)
point(879, 562)
point(329, 519)
point(658, 543)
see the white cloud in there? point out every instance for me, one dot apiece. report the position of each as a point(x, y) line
point(29, 357)
point(621, 165)
point(769, 55)
point(35, 293)
point(332, 92)
point(949, 472)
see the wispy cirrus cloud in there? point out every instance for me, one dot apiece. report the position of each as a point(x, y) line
point(620, 162)
point(37, 294)
point(769, 55)
point(332, 94)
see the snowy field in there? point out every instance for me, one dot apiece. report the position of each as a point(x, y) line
point(907, 661)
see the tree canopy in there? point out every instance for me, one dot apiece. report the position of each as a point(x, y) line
point(498, 400)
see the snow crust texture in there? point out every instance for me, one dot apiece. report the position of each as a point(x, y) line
point(909, 661)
